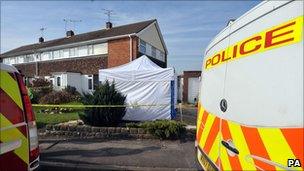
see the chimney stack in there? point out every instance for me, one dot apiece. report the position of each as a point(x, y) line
point(41, 39)
point(109, 25)
point(70, 33)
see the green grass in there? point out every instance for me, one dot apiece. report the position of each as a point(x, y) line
point(43, 119)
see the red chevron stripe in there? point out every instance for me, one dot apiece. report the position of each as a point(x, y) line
point(201, 127)
point(295, 139)
point(10, 161)
point(11, 111)
point(234, 161)
point(256, 147)
point(212, 135)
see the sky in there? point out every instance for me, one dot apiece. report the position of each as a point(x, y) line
point(187, 26)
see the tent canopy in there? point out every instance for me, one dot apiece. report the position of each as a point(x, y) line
point(141, 69)
point(144, 83)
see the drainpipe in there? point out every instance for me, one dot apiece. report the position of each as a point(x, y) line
point(131, 48)
point(36, 62)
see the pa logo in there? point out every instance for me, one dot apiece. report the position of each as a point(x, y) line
point(293, 163)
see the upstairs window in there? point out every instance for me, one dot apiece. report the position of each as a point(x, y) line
point(100, 49)
point(6, 60)
point(73, 52)
point(90, 49)
point(29, 58)
point(65, 53)
point(154, 52)
point(12, 60)
point(56, 54)
point(162, 56)
point(20, 59)
point(82, 51)
point(46, 56)
point(142, 46)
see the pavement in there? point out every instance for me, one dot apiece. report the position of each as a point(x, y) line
point(187, 114)
point(117, 155)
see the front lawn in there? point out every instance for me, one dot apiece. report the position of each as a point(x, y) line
point(43, 119)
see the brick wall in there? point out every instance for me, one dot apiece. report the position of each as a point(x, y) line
point(119, 51)
point(186, 76)
point(86, 65)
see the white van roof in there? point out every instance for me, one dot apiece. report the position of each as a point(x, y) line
point(8, 68)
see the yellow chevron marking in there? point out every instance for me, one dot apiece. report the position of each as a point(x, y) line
point(276, 146)
point(199, 118)
point(206, 130)
point(12, 135)
point(10, 87)
point(225, 158)
point(240, 143)
point(214, 151)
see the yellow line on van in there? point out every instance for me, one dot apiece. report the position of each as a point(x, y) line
point(225, 158)
point(241, 144)
point(10, 87)
point(277, 146)
point(214, 151)
point(206, 130)
point(12, 135)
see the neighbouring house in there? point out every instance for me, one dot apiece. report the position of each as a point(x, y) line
point(76, 58)
point(188, 85)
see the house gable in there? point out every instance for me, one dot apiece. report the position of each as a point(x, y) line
point(152, 35)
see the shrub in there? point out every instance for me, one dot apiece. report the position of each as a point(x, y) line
point(133, 125)
point(72, 90)
point(40, 82)
point(56, 97)
point(165, 129)
point(105, 94)
point(75, 95)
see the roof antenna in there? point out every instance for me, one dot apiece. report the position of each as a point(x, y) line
point(42, 29)
point(74, 21)
point(108, 13)
point(65, 24)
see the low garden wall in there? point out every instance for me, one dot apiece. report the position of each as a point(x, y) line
point(89, 132)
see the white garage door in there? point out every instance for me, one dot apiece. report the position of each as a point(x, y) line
point(193, 89)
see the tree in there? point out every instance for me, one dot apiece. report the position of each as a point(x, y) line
point(105, 94)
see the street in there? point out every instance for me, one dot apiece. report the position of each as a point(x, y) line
point(117, 155)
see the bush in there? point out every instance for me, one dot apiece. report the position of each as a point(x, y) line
point(40, 82)
point(163, 129)
point(72, 90)
point(75, 95)
point(56, 97)
point(105, 94)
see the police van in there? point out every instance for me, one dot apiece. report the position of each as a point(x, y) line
point(250, 112)
point(18, 132)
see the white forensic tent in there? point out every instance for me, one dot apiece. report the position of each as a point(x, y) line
point(144, 83)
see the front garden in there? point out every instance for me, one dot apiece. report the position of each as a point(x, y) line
point(48, 117)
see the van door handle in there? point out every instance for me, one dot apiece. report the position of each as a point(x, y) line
point(227, 145)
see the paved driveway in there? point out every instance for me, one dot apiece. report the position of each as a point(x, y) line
point(117, 155)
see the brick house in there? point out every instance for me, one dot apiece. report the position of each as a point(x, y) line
point(75, 59)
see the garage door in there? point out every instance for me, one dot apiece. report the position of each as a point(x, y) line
point(193, 89)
